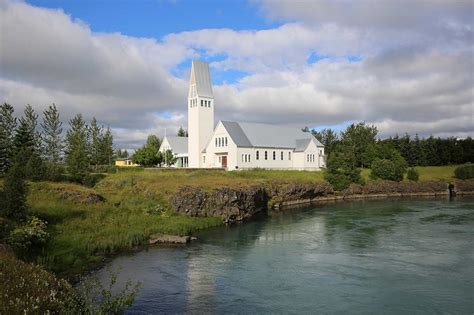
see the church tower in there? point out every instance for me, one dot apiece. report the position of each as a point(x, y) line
point(200, 112)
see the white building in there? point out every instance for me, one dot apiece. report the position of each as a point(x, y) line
point(234, 145)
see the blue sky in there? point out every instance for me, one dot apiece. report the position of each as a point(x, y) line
point(157, 18)
point(301, 63)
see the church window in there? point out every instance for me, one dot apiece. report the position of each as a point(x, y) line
point(216, 142)
point(274, 155)
point(225, 141)
point(289, 156)
point(266, 155)
point(202, 103)
point(249, 157)
point(204, 159)
point(281, 155)
point(257, 155)
point(220, 142)
point(242, 157)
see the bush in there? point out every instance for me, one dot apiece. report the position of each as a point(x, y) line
point(387, 169)
point(413, 175)
point(29, 238)
point(55, 172)
point(338, 181)
point(464, 171)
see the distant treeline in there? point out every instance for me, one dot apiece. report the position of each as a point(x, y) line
point(416, 151)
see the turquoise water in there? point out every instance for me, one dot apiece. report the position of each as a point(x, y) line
point(396, 256)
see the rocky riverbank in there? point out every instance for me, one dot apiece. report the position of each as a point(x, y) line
point(239, 204)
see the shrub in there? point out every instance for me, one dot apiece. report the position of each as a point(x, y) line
point(338, 181)
point(29, 238)
point(413, 175)
point(342, 170)
point(464, 171)
point(55, 172)
point(387, 169)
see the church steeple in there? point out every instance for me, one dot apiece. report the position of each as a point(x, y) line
point(200, 112)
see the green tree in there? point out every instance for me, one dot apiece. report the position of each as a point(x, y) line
point(14, 205)
point(328, 138)
point(52, 129)
point(31, 119)
point(154, 142)
point(7, 130)
point(358, 137)
point(147, 156)
point(389, 167)
point(182, 132)
point(342, 168)
point(107, 147)
point(169, 158)
point(95, 136)
point(77, 142)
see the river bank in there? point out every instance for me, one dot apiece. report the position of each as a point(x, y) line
point(124, 210)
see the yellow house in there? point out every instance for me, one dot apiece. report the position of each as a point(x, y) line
point(125, 163)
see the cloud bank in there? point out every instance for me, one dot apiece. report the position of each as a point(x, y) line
point(406, 68)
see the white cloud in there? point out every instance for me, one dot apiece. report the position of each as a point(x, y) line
point(416, 72)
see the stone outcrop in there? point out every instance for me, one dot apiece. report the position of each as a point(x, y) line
point(284, 192)
point(242, 203)
point(231, 204)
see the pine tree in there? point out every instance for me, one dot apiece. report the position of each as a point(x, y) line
point(182, 132)
point(23, 143)
point(52, 129)
point(77, 157)
point(31, 119)
point(96, 139)
point(107, 147)
point(14, 194)
point(7, 129)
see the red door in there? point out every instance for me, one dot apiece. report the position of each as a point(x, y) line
point(224, 161)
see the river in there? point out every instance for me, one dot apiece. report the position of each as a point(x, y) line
point(393, 256)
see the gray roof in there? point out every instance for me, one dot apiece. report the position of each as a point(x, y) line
point(269, 136)
point(179, 145)
point(201, 76)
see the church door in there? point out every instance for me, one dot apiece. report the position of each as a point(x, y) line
point(224, 161)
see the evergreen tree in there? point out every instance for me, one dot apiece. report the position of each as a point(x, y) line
point(358, 137)
point(7, 128)
point(14, 204)
point(96, 135)
point(125, 154)
point(153, 141)
point(23, 143)
point(169, 158)
point(182, 132)
point(77, 142)
point(52, 129)
point(328, 138)
point(31, 119)
point(107, 147)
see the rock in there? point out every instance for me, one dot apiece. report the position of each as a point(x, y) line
point(231, 204)
point(284, 192)
point(170, 239)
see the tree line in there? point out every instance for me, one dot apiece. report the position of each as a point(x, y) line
point(358, 147)
point(40, 149)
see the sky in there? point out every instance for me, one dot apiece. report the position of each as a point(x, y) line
point(405, 66)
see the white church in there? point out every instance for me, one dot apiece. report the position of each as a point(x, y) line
point(238, 145)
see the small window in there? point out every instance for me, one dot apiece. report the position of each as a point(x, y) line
point(289, 156)
point(216, 142)
point(249, 157)
point(266, 155)
point(274, 155)
point(219, 142)
point(204, 159)
point(257, 155)
point(202, 103)
point(209, 103)
point(242, 157)
point(225, 141)
point(281, 155)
